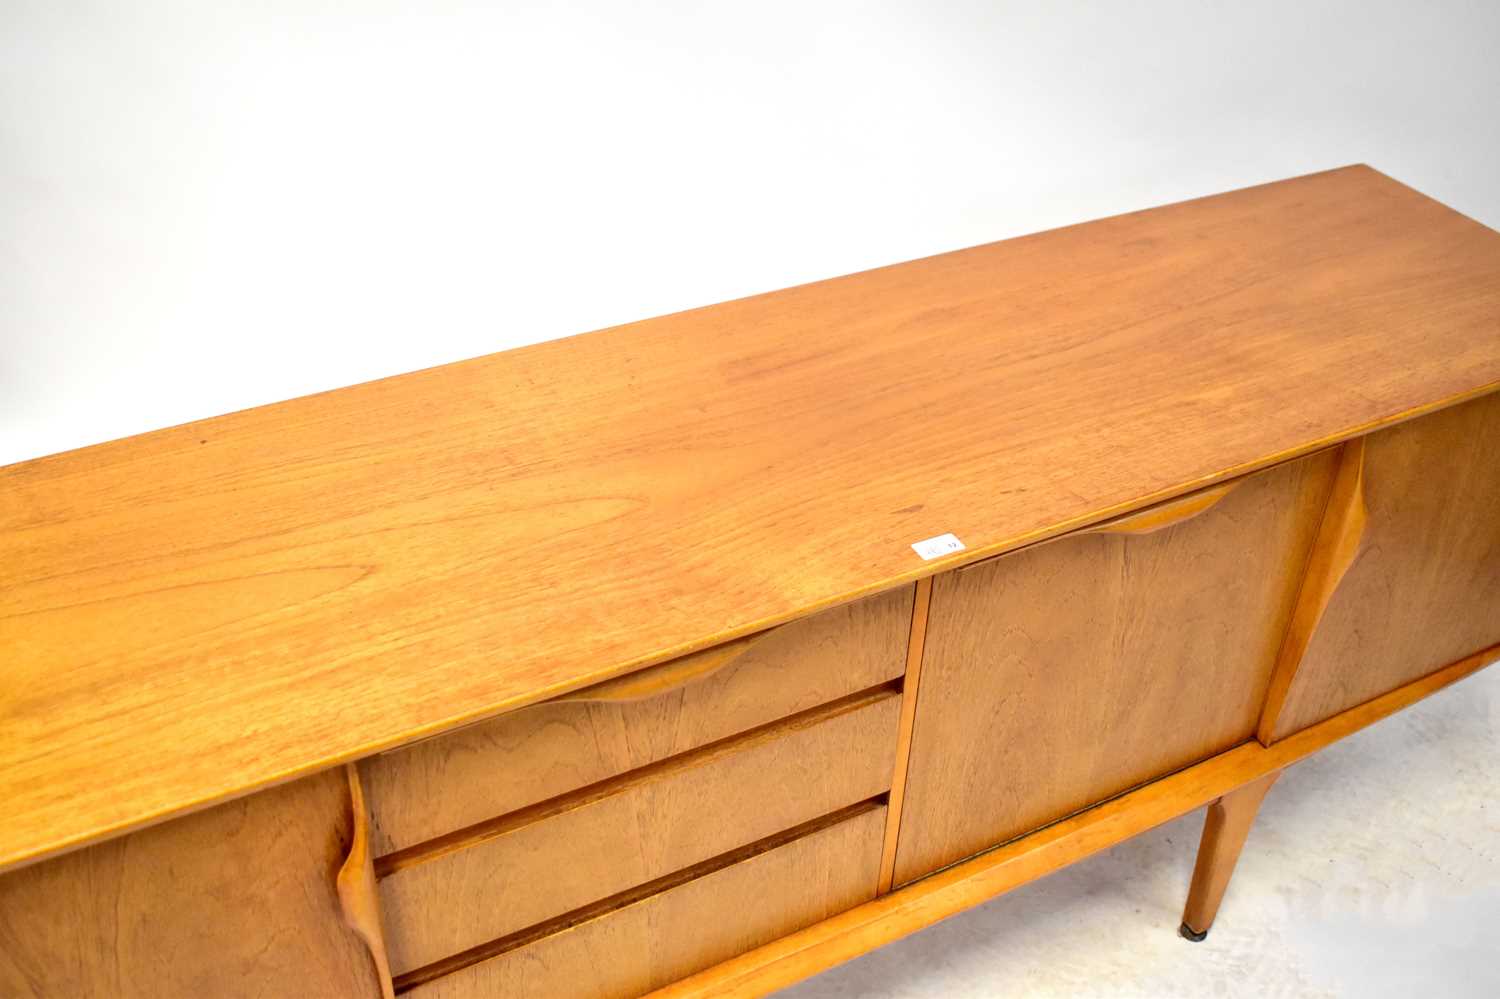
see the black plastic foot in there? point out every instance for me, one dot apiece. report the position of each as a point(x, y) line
point(1188, 933)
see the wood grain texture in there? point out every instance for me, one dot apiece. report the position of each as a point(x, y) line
point(455, 780)
point(681, 813)
point(799, 955)
point(1226, 825)
point(672, 934)
point(238, 900)
point(910, 687)
point(194, 613)
point(1424, 588)
point(1060, 675)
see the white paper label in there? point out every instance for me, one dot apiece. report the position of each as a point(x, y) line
point(943, 544)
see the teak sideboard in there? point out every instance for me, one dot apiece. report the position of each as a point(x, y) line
point(703, 653)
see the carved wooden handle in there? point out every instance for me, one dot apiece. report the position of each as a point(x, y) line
point(356, 887)
point(1165, 514)
point(645, 683)
point(1145, 521)
point(658, 679)
point(1334, 551)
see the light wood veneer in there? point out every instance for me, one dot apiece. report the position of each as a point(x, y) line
point(932, 899)
point(465, 777)
point(1422, 584)
point(541, 863)
point(1060, 675)
point(238, 900)
point(192, 614)
point(671, 934)
point(631, 659)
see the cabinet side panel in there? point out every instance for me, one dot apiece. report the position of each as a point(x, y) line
point(237, 900)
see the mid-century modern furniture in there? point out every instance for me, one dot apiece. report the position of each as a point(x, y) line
point(703, 653)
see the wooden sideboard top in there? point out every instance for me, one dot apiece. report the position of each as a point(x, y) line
point(191, 614)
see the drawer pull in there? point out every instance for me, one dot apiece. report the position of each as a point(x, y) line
point(641, 684)
point(1166, 514)
point(656, 680)
point(461, 777)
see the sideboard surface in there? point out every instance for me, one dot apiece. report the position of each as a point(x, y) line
point(194, 613)
point(628, 644)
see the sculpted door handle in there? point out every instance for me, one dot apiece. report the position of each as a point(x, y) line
point(1334, 551)
point(1165, 514)
point(1147, 521)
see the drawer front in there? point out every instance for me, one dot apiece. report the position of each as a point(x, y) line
point(682, 930)
point(1421, 587)
point(456, 780)
point(541, 863)
point(1062, 674)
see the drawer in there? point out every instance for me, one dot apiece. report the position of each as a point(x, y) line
point(537, 864)
point(647, 943)
point(458, 779)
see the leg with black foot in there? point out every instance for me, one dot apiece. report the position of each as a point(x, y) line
point(1224, 831)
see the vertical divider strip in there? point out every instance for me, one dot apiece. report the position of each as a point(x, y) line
point(358, 896)
point(909, 687)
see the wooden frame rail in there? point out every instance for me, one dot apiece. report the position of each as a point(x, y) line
point(1011, 865)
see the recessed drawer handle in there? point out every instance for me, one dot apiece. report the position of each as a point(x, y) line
point(1166, 514)
point(659, 679)
point(645, 683)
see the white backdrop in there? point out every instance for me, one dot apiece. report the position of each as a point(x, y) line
point(205, 207)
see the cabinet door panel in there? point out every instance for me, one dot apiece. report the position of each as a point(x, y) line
point(1062, 674)
point(237, 900)
point(1423, 589)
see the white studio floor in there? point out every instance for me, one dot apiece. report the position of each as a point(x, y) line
point(1373, 870)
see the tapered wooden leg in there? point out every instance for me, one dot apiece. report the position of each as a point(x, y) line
point(1224, 832)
